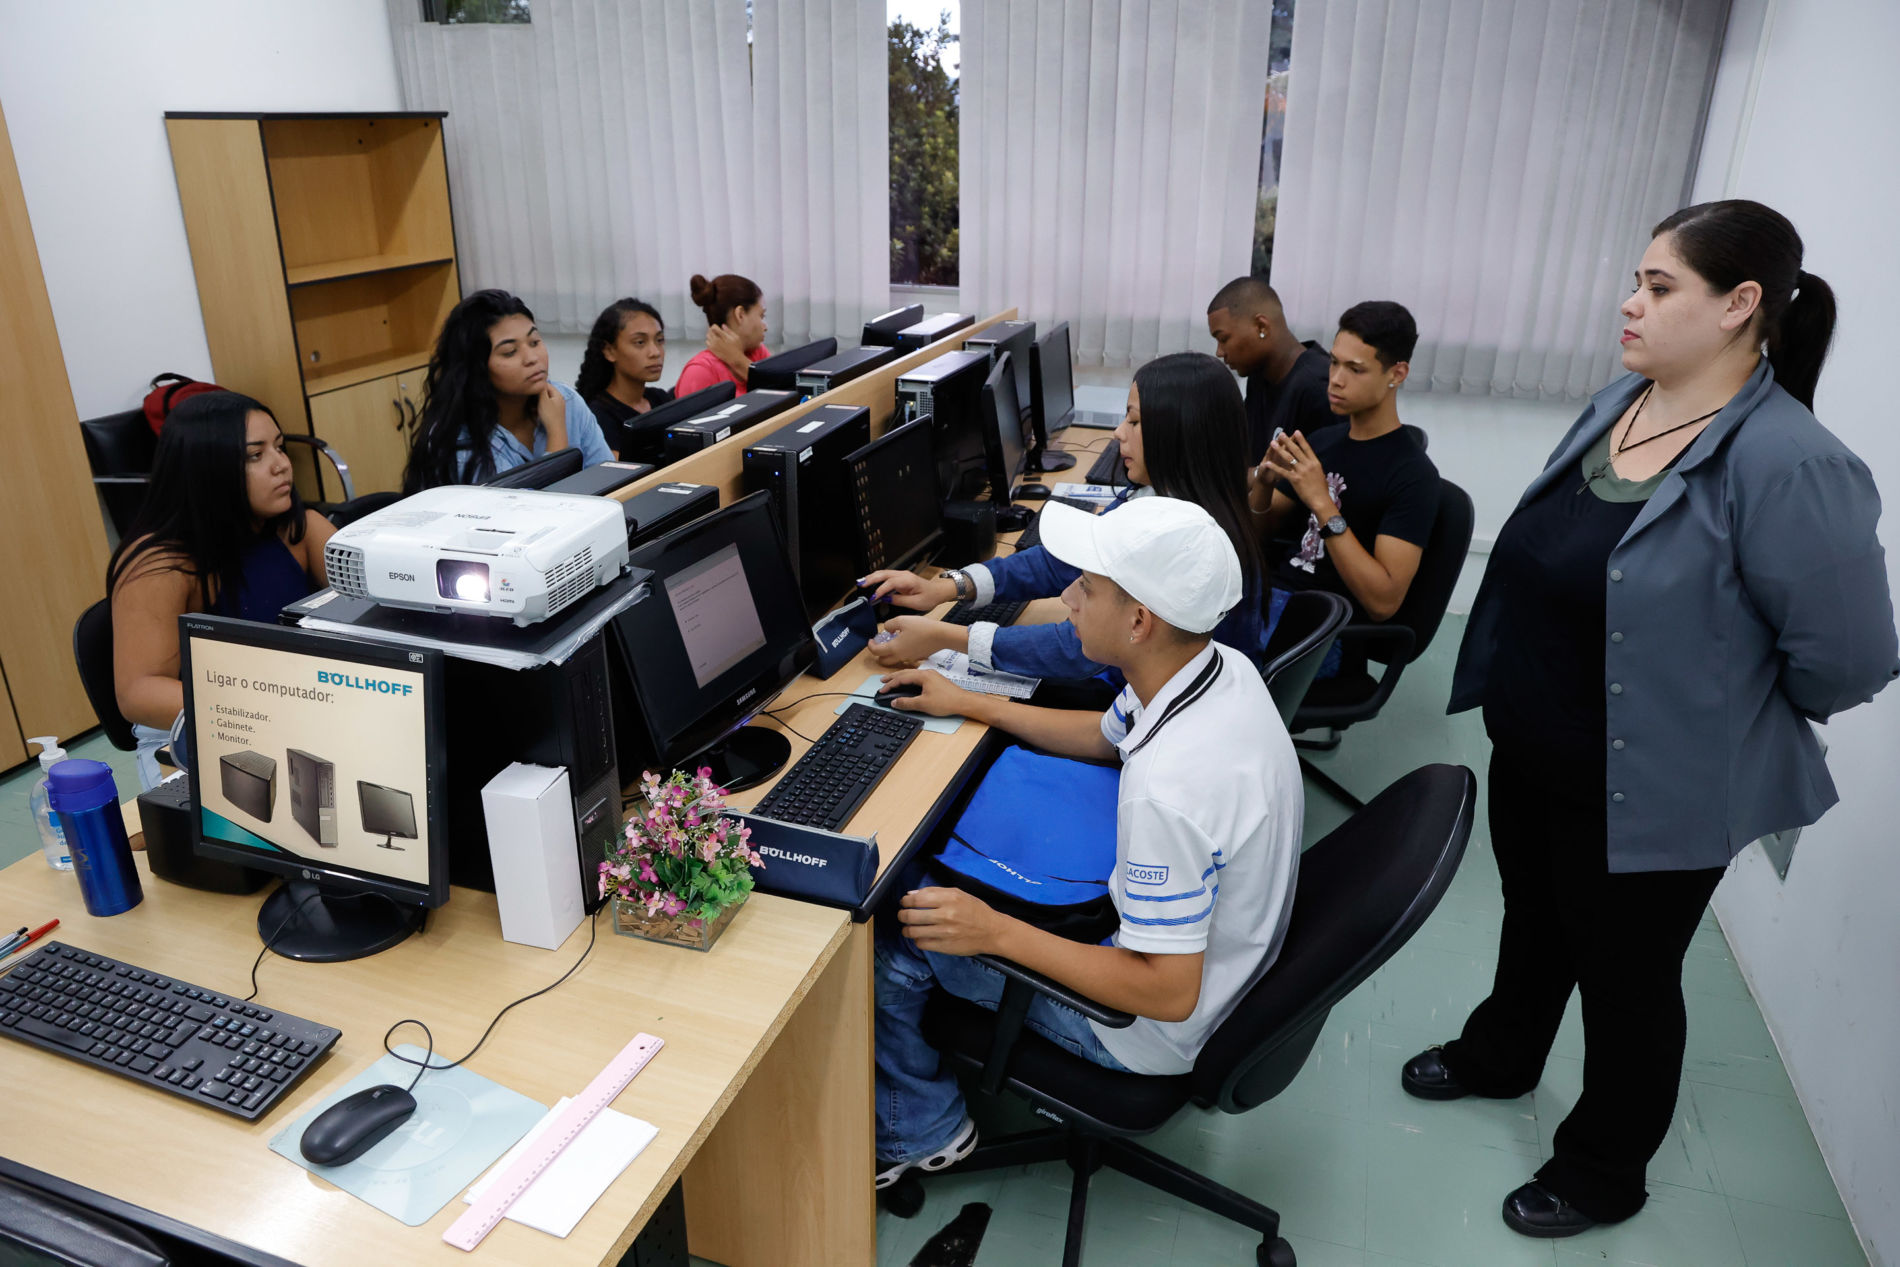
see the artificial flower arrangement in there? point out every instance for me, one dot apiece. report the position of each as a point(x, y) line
point(682, 868)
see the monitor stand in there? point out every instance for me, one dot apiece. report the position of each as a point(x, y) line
point(321, 924)
point(387, 842)
point(746, 758)
point(1049, 460)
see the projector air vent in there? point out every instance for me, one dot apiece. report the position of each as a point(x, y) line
point(343, 565)
point(571, 579)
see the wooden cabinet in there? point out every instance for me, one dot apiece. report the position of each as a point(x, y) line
point(325, 257)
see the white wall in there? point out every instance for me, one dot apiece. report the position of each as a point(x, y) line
point(1822, 951)
point(86, 86)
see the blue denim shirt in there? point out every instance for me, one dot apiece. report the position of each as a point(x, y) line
point(583, 433)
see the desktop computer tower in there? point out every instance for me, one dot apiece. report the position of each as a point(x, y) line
point(313, 795)
point(882, 332)
point(687, 438)
point(803, 467)
point(554, 715)
point(665, 507)
point(249, 781)
point(949, 391)
point(1016, 338)
point(822, 376)
point(928, 331)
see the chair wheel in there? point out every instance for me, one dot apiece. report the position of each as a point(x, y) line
point(1274, 1253)
point(903, 1198)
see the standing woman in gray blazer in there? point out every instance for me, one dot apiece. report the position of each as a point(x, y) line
point(1691, 581)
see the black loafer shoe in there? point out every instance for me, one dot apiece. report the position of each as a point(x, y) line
point(1534, 1210)
point(1426, 1077)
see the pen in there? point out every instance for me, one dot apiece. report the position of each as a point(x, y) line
point(32, 937)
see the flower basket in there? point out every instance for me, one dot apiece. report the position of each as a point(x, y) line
point(682, 868)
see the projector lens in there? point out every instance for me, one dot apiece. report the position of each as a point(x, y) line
point(461, 579)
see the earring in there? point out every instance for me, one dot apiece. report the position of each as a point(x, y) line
point(1263, 334)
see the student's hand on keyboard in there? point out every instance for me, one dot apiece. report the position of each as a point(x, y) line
point(938, 698)
point(914, 638)
point(909, 590)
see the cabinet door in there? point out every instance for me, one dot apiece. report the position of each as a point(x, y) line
point(368, 426)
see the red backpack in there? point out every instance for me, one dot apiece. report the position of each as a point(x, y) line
point(168, 392)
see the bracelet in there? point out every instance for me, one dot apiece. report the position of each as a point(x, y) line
point(966, 588)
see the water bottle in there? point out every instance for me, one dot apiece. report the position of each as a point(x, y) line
point(52, 839)
point(86, 801)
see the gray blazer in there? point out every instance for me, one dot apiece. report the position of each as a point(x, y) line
point(1749, 596)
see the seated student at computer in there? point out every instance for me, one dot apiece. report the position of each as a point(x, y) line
point(1184, 436)
point(1351, 506)
point(488, 404)
point(222, 530)
point(1209, 791)
point(626, 353)
point(735, 333)
point(1286, 379)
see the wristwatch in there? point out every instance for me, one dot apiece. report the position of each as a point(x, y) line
point(1333, 527)
point(966, 588)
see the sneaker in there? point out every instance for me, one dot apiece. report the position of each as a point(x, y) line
point(961, 1145)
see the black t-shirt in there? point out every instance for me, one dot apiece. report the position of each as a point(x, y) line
point(615, 415)
point(1295, 403)
point(1385, 487)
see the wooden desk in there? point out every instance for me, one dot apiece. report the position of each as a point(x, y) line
point(782, 998)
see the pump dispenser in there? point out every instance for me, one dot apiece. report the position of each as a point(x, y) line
point(52, 837)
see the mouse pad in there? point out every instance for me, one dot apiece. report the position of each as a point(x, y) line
point(867, 693)
point(462, 1123)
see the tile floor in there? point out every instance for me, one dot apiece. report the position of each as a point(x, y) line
point(1365, 1176)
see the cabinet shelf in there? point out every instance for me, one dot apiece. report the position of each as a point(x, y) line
point(360, 266)
point(361, 369)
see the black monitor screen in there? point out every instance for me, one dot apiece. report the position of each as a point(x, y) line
point(316, 756)
point(1003, 429)
point(541, 472)
point(894, 486)
point(722, 630)
point(1058, 376)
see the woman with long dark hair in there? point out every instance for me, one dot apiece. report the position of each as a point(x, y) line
point(1693, 579)
point(1184, 435)
point(222, 530)
point(735, 332)
point(488, 404)
point(626, 354)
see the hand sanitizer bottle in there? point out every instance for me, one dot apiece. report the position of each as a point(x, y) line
point(52, 837)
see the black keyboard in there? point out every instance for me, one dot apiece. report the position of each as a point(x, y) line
point(835, 775)
point(1107, 469)
point(966, 613)
point(1030, 536)
point(192, 1042)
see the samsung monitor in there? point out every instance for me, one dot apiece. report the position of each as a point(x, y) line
point(882, 331)
point(719, 634)
point(780, 373)
point(1051, 398)
point(1004, 448)
point(646, 433)
point(893, 482)
point(337, 712)
point(538, 473)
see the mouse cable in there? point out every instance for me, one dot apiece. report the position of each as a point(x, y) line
point(424, 1066)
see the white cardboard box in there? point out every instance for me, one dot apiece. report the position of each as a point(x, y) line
point(530, 817)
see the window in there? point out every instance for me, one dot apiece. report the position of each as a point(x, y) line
point(924, 124)
point(1272, 136)
point(460, 12)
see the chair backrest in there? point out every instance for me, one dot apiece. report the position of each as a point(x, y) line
point(343, 514)
point(92, 651)
point(120, 444)
point(1439, 565)
point(1361, 894)
point(1418, 435)
point(37, 1227)
point(1308, 627)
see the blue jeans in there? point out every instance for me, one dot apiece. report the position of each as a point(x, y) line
point(1277, 599)
point(919, 1104)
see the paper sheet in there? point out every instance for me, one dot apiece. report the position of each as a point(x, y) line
point(566, 1190)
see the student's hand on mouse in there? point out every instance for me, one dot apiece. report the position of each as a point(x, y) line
point(939, 698)
point(551, 413)
point(1292, 459)
point(914, 638)
point(908, 590)
point(950, 921)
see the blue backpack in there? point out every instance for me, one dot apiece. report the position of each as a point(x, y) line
point(1037, 842)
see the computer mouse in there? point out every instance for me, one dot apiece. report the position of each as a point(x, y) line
point(903, 690)
point(355, 1124)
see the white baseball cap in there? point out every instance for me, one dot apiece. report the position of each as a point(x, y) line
point(1169, 555)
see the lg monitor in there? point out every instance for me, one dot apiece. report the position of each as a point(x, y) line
point(882, 332)
point(1051, 398)
point(899, 512)
point(780, 373)
point(646, 433)
point(929, 330)
point(259, 696)
point(718, 635)
point(802, 466)
point(948, 389)
point(548, 469)
point(1004, 449)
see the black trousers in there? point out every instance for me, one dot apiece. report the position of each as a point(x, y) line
point(1620, 939)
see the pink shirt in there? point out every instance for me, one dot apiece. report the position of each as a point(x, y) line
point(707, 370)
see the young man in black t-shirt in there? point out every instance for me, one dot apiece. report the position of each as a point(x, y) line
point(1286, 379)
point(1351, 507)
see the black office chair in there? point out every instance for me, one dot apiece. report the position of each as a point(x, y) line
point(92, 652)
point(1308, 627)
point(1333, 704)
point(343, 514)
point(1362, 892)
point(38, 1228)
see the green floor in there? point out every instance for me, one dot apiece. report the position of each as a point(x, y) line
point(1361, 1174)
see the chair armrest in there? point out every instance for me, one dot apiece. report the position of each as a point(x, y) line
point(1062, 994)
point(121, 479)
point(336, 460)
point(1020, 988)
point(1389, 641)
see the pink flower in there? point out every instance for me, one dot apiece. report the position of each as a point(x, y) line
point(646, 872)
point(709, 850)
point(673, 904)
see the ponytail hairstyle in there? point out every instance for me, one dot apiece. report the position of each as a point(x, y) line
point(596, 370)
point(459, 408)
point(1194, 444)
point(1736, 241)
point(718, 297)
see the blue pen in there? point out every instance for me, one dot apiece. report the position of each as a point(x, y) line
point(12, 943)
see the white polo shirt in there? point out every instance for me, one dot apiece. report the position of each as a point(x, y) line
point(1207, 842)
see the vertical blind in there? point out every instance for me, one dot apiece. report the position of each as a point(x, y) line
point(1108, 164)
point(1494, 165)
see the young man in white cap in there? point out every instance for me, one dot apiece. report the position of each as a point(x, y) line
point(1207, 831)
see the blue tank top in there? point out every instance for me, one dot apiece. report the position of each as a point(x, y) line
point(273, 579)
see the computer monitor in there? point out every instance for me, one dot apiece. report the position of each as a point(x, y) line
point(893, 483)
point(1015, 338)
point(1051, 398)
point(338, 712)
point(547, 469)
point(720, 632)
point(1004, 449)
point(802, 467)
point(780, 373)
point(882, 331)
point(646, 433)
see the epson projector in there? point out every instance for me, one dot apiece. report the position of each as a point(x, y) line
point(484, 551)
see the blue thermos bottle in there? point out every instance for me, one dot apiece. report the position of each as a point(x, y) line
point(87, 802)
